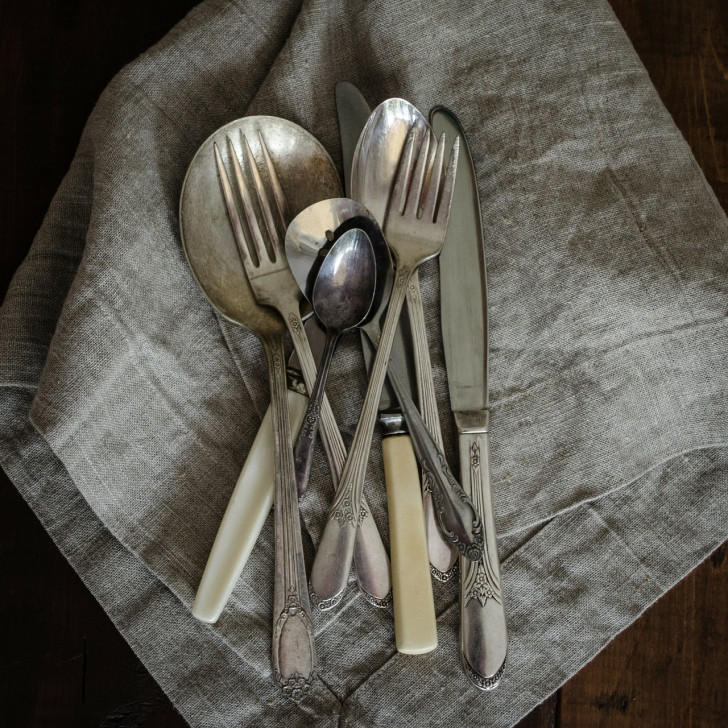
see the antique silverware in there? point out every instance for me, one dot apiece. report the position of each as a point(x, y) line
point(456, 515)
point(353, 114)
point(373, 171)
point(305, 244)
point(273, 284)
point(342, 299)
point(416, 627)
point(464, 310)
point(413, 239)
point(214, 255)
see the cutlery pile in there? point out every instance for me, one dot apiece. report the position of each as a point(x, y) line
point(266, 230)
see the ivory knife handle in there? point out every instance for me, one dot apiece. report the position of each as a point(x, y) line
point(483, 631)
point(415, 624)
point(244, 517)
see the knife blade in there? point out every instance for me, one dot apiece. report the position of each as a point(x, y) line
point(464, 315)
point(415, 620)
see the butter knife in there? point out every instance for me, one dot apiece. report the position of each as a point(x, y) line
point(463, 296)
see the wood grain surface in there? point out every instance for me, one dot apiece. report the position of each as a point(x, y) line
point(62, 662)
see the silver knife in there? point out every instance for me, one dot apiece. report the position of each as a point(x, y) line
point(463, 302)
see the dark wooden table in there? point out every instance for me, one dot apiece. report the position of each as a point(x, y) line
point(62, 662)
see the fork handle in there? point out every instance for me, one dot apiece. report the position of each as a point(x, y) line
point(247, 511)
point(443, 558)
point(293, 654)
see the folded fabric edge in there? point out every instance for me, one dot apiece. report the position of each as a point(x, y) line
point(578, 583)
point(138, 603)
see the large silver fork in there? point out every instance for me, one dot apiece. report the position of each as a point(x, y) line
point(273, 285)
point(293, 653)
point(413, 238)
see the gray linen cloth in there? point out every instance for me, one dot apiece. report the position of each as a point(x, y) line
point(128, 405)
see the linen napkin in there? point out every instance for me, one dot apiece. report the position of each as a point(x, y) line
point(129, 405)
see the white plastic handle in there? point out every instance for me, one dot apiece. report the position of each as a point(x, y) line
point(415, 625)
point(247, 510)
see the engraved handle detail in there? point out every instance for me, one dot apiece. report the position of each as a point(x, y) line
point(371, 559)
point(293, 653)
point(443, 559)
point(483, 630)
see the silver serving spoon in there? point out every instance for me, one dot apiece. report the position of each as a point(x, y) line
point(306, 174)
point(342, 298)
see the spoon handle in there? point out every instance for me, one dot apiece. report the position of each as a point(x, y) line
point(457, 516)
point(371, 560)
point(293, 655)
point(332, 563)
point(303, 451)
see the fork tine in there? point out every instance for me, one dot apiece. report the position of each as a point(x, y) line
point(253, 226)
point(232, 208)
point(418, 180)
point(262, 201)
point(428, 210)
point(275, 183)
point(404, 172)
point(443, 209)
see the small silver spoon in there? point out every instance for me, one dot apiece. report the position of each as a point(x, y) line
point(342, 298)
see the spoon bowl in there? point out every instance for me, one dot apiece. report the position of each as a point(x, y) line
point(346, 282)
point(344, 289)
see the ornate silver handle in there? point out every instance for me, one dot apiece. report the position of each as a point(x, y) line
point(483, 631)
point(372, 563)
point(443, 558)
point(294, 654)
point(456, 514)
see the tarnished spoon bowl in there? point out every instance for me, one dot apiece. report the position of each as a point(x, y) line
point(342, 298)
point(345, 284)
point(306, 244)
point(307, 175)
